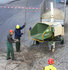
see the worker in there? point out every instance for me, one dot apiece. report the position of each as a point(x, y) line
point(18, 34)
point(10, 40)
point(50, 67)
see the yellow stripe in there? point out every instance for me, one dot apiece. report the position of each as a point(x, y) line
point(29, 34)
point(43, 35)
point(38, 40)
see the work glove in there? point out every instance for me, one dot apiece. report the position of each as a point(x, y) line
point(16, 40)
point(43, 68)
point(30, 28)
point(24, 25)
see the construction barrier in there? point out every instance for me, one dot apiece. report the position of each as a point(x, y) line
point(19, 7)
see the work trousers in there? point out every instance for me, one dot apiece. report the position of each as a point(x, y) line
point(10, 50)
point(18, 45)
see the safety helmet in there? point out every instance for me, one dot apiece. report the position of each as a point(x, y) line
point(17, 26)
point(51, 61)
point(11, 31)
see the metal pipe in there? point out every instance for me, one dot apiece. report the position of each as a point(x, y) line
point(52, 12)
point(64, 11)
point(25, 21)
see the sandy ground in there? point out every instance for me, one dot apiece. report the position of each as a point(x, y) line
point(31, 57)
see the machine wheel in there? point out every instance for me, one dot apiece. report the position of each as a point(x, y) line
point(34, 42)
point(62, 42)
point(37, 43)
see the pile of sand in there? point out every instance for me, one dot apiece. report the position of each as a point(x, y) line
point(58, 14)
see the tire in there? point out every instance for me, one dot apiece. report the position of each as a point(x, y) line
point(37, 43)
point(62, 42)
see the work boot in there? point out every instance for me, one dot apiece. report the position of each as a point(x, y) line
point(12, 58)
point(8, 58)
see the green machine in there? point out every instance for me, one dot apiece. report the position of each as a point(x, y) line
point(50, 29)
point(41, 31)
point(50, 32)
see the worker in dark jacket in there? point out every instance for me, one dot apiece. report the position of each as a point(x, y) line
point(18, 34)
point(10, 40)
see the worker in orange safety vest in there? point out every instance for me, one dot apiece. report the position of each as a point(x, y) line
point(50, 67)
